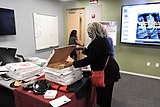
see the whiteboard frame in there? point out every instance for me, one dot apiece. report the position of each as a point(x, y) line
point(45, 31)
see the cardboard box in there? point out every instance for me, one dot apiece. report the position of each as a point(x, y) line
point(58, 57)
point(23, 70)
point(57, 69)
point(19, 67)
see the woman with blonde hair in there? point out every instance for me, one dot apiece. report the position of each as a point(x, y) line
point(97, 53)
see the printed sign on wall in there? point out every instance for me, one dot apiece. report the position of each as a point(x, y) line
point(111, 27)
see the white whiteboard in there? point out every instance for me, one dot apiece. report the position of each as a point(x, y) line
point(46, 31)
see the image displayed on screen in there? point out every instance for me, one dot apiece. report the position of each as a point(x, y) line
point(148, 26)
point(140, 24)
point(7, 22)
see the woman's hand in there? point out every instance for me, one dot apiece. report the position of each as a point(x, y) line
point(69, 62)
point(69, 59)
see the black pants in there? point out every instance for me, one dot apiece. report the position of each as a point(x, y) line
point(104, 95)
point(73, 55)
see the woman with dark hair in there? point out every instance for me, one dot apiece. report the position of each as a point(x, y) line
point(74, 41)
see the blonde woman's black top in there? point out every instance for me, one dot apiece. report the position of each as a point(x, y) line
point(97, 53)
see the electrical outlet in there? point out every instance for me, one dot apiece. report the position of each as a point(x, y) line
point(148, 64)
point(157, 65)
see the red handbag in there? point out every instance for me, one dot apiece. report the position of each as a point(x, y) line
point(97, 77)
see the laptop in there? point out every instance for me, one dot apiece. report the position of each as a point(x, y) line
point(7, 55)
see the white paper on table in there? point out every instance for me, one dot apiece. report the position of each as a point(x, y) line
point(50, 94)
point(3, 68)
point(60, 101)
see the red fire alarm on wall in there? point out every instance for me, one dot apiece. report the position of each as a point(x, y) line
point(93, 1)
point(93, 16)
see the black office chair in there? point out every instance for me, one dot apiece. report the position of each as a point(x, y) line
point(19, 58)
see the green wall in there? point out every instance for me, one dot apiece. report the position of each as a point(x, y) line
point(131, 58)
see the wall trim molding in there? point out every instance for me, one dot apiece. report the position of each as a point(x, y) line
point(142, 75)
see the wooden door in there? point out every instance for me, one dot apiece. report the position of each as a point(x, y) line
point(75, 21)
